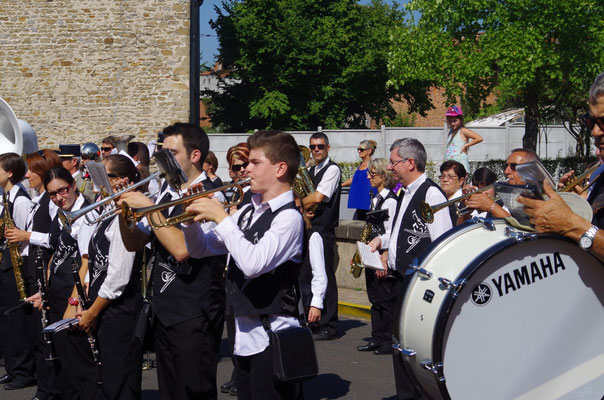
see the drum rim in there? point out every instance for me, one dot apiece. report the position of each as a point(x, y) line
point(451, 298)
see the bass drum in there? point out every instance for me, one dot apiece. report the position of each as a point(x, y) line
point(493, 312)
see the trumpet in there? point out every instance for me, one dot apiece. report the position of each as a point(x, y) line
point(569, 186)
point(69, 217)
point(133, 215)
point(427, 211)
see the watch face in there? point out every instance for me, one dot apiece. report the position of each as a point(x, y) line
point(585, 242)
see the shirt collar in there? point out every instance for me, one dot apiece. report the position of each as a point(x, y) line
point(384, 193)
point(274, 204)
point(321, 164)
point(413, 186)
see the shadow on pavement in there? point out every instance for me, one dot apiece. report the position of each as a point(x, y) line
point(326, 386)
point(344, 325)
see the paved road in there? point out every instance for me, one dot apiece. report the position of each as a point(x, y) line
point(344, 373)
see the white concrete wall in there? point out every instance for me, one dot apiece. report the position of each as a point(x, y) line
point(498, 141)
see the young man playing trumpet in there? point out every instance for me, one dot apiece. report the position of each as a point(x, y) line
point(188, 291)
point(265, 241)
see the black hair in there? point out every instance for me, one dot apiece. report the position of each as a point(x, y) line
point(58, 173)
point(13, 162)
point(320, 135)
point(193, 138)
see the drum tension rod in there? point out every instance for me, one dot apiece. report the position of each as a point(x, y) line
point(437, 369)
point(455, 287)
point(414, 267)
point(486, 223)
point(519, 236)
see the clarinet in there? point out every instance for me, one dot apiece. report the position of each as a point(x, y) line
point(84, 303)
point(42, 281)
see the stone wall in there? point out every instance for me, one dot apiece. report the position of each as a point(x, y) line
point(80, 70)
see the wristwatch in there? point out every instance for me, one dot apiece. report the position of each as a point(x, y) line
point(587, 239)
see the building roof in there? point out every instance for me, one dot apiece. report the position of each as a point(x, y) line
point(499, 119)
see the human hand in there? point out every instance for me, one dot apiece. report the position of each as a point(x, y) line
point(87, 320)
point(480, 201)
point(207, 209)
point(135, 199)
point(16, 235)
point(551, 215)
point(566, 178)
point(375, 244)
point(35, 300)
point(314, 314)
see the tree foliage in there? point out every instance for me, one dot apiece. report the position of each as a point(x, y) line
point(538, 54)
point(306, 63)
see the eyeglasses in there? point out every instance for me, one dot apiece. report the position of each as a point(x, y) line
point(112, 175)
point(62, 191)
point(589, 122)
point(106, 149)
point(511, 165)
point(360, 149)
point(449, 177)
point(238, 167)
point(371, 174)
point(393, 163)
point(317, 146)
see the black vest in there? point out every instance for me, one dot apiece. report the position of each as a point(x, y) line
point(271, 293)
point(98, 253)
point(410, 245)
point(327, 215)
point(381, 229)
point(41, 222)
point(181, 290)
point(598, 189)
point(6, 261)
point(60, 282)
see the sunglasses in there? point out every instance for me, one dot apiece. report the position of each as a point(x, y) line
point(511, 165)
point(239, 167)
point(62, 191)
point(589, 122)
point(449, 177)
point(317, 146)
point(360, 149)
point(106, 149)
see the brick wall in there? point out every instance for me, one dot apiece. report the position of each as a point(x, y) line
point(80, 70)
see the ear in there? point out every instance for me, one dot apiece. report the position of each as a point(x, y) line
point(195, 156)
point(281, 169)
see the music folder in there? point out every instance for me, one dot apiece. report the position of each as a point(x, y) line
point(369, 259)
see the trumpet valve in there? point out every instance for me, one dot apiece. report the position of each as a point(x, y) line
point(427, 212)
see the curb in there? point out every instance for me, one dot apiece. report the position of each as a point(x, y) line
point(354, 310)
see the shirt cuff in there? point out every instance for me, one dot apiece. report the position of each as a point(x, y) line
point(224, 229)
point(39, 239)
point(316, 302)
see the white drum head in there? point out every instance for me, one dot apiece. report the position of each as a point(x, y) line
point(528, 325)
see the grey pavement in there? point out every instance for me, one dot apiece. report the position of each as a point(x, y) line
point(344, 372)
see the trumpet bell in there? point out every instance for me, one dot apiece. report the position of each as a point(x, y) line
point(11, 138)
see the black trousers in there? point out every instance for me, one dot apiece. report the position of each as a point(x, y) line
point(78, 375)
point(121, 358)
point(382, 296)
point(186, 359)
point(256, 379)
point(15, 333)
point(405, 388)
point(329, 315)
point(47, 372)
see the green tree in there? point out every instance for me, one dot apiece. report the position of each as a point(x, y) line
point(538, 54)
point(299, 64)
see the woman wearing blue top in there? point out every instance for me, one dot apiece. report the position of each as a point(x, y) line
point(360, 188)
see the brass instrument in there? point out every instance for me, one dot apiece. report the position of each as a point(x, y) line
point(69, 217)
point(569, 186)
point(14, 249)
point(427, 211)
point(303, 185)
point(356, 266)
point(132, 215)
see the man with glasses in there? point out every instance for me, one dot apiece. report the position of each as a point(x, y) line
point(70, 158)
point(108, 146)
point(554, 215)
point(326, 178)
point(410, 235)
point(518, 156)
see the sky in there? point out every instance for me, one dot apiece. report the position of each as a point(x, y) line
point(208, 39)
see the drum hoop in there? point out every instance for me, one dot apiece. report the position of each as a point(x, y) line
point(451, 298)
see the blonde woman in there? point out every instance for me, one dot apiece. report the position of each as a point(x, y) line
point(359, 196)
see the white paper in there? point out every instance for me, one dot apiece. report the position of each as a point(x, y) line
point(369, 259)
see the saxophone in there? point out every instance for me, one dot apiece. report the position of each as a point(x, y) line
point(14, 249)
point(356, 266)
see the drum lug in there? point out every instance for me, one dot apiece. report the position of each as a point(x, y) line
point(486, 223)
point(405, 351)
point(455, 287)
point(437, 369)
point(519, 236)
point(414, 267)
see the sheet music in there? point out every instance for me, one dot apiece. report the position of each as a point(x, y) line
point(369, 259)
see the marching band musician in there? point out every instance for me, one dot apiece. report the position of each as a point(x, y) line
point(325, 176)
point(114, 293)
point(78, 375)
point(37, 235)
point(70, 157)
point(380, 284)
point(188, 292)
point(14, 328)
point(265, 241)
point(410, 235)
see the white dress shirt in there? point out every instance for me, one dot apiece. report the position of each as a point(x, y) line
point(39, 238)
point(330, 179)
point(441, 224)
point(280, 243)
point(81, 230)
point(318, 284)
point(388, 204)
point(21, 206)
point(121, 262)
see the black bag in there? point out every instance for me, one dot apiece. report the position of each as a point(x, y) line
point(293, 353)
